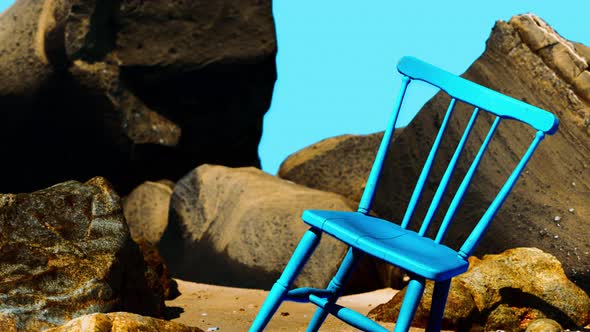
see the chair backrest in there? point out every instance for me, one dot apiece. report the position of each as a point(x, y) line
point(482, 99)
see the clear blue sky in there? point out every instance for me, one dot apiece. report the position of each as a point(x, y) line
point(336, 59)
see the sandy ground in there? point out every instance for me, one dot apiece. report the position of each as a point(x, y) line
point(233, 309)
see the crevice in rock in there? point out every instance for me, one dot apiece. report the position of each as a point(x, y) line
point(100, 38)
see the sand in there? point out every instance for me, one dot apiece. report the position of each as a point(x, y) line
point(234, 309)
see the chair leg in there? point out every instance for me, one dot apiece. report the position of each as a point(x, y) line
point(307, 245)
point(437, 308)
point(345, 270)
point(414, 292)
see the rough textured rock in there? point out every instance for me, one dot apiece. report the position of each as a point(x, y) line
point(153, 259)
point(504, 292)
point(239, 227)
point(518, 62)
point(65, 251)
point(146, 211)
point(338, 164)
point(121, 322)
point(156, 82)
point(459, 314)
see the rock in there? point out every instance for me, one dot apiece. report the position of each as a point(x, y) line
point(513, 64)
point(504, 292)
point(320, 165)
point(121, 322)
point(156, 81)
point(152, 258)
point(146, 211)
point(557, 53)
point(8, 323)
point(239, 227)
point(459, 314)
point(544, 325)
point(66, 252)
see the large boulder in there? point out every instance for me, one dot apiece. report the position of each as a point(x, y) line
point(121, 322)
point(338, 164)
point(66, 252)
point(526, 59)
point(145, 87)
point(503, 292)
point(240, 226)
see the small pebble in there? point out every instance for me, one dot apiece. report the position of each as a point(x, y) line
point(556, 237)
point(571, 210)
point(214, 328)
point(544, 325)
point(557, 218)
point(204, 314)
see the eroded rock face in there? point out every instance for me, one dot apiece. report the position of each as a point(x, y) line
point(65, 251)
point(526, 59)
point(156, 81)
point(240, 226)
point(121, 322)
point(504, 292)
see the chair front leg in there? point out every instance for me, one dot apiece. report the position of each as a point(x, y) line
point(349, 263)
point(437, 308)
point(414, 292)
point(307, 245)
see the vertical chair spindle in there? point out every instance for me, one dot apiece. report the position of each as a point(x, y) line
point(369, 192)
point(483, 224)
point(458, 198)
point(444, 182)
point(427, 167)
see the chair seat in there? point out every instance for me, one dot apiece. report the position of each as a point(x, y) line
point(389, 242)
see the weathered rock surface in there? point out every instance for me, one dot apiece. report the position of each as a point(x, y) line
point(121, 322)
point(153, 259)
point(504, 292)
point(338, 164)
point(146, 211)
point(156, 82)
point(528, 60)
point(239, 227)
point(65, 251)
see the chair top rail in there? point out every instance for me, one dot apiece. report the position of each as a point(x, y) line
point(479, 96)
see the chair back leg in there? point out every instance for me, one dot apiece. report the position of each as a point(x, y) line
point(414, 292)
point(437, 308)
point(349, 263)
point(307, 245)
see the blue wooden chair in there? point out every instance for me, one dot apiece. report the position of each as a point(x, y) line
point(422, 257)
